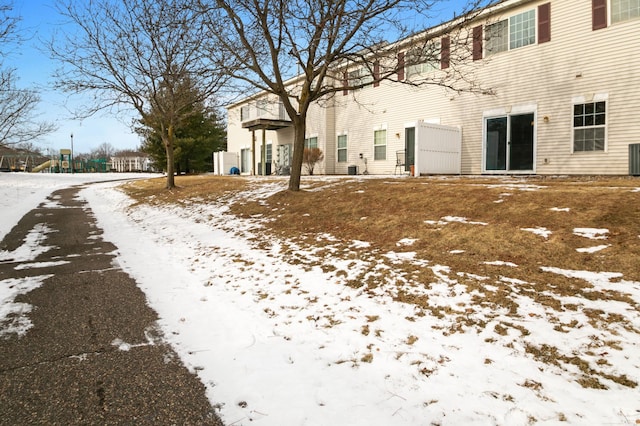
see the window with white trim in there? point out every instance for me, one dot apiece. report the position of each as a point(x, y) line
point(423, 60)
point(380, 144)
point(244, 113)
point(497, 37)
point(311, 142)
point(522, 29)
point(268, 154)
point(622, 10)
point(589, 124)
point(516, 31)
point(360, 77)
point(342, 148)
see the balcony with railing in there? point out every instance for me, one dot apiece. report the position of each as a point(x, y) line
point(264, 115)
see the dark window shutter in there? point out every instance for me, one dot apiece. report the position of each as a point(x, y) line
point(445, 52)
point(544, 23)
point(345, 83)
point(477, 43)
point(376, 74)
point(400, 66)
point(599, 14)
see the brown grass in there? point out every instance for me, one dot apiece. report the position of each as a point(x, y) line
point(382, 211)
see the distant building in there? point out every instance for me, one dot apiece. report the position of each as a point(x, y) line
point(131, 161)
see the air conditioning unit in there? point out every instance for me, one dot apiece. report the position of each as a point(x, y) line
point(634, 159)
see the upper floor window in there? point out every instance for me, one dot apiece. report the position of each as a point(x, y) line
point(342, 148)
point(244, 113)
point(423, 59)
point(517, 31)
point(622, 10)
point(522, 29)
point(360, 77)
point(589, 120)
point(497, 37)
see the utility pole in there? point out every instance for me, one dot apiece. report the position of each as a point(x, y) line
point(71, 153)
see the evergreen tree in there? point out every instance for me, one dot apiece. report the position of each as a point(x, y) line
point(196, 138)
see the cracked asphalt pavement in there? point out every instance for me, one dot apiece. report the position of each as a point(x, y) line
point(94, 354)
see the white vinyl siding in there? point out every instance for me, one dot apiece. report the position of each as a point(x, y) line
point(622, 10)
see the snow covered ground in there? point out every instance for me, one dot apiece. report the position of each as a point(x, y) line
point(277, 343)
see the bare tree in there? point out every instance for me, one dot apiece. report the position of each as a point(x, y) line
point(137, 53)
point(305, 51)
point(18, 123)
point(104, 150)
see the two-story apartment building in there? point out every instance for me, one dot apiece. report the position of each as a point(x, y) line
point(565, 83)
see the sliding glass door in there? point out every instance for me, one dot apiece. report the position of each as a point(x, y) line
point(509, 143)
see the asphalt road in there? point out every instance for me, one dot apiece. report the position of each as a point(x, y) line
point(94, 354)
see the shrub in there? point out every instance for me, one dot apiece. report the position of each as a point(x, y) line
point(311, 157)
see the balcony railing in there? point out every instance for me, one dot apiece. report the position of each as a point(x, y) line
point(266, 110)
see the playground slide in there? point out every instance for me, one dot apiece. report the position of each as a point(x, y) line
point(41, 167)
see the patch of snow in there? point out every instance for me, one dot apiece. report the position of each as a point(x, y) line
point(461, 220)
point(501, 263)
point(539, 230)
point(121, 345)
point(560, 209)
point(360, 244)
point(406, 242)
point(591, 233)
point(450, 219)
point(33, 245)
point(593, 249)
point(395, 256)
point(29, 265)
point(13, 315)
point(518, 187)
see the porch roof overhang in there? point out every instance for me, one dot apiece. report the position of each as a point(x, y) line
point(266, 124)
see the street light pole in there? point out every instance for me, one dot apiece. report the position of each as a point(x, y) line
point(71, 153)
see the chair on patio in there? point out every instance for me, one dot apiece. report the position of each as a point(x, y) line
point(400, 161)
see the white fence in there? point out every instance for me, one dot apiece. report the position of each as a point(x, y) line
point(438, 149)
point(223, 162)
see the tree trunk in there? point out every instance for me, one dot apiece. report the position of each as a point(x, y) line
point(168, 145)
point(300, 127)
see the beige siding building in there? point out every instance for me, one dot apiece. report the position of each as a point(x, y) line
point(565, 77)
